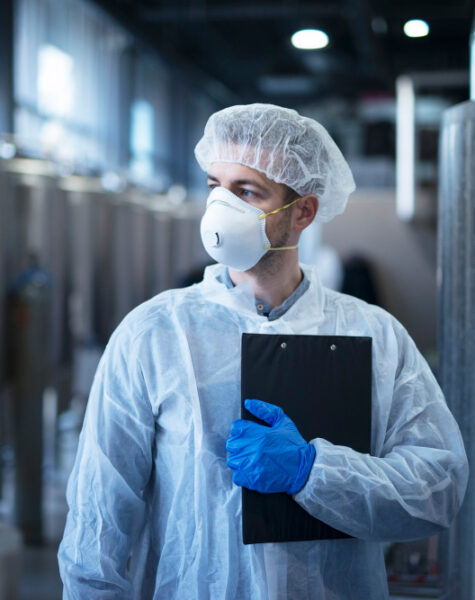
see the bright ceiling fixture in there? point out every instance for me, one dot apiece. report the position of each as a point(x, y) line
point(309, 39)
point(416, 28)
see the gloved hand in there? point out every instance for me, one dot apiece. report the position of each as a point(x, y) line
point(268, 459)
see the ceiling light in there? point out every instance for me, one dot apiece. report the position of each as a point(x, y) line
point(416, 28)
point(309, 39)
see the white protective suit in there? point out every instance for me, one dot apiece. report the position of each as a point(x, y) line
point(150, 481)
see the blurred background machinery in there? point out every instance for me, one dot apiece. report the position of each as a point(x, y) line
point(76, 257)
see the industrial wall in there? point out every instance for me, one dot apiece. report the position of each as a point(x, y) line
point(402, 257)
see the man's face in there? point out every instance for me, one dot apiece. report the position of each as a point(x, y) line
point(255, 188)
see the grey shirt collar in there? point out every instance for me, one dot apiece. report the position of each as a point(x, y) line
point(264, 309)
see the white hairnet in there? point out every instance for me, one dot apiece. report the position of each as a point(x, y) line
point(285, 146)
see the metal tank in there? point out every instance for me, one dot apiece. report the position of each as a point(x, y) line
point(131, 254)
point(159, 224)
point(90, 212)
point(35, 230)
point(188, 253)
point(34, 234)
point(161, 269)
point(4, 419)
point(29, 310)
point(125, 247)
point(3, 291)
point(456, 275)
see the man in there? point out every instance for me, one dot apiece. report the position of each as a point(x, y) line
point(154, 496)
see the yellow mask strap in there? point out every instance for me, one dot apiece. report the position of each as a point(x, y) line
point(275, 211)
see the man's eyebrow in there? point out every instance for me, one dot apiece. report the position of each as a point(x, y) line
point(250, 182)
point(242, 182)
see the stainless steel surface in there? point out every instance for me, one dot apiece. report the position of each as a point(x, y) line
point(35, 231)
point(131, 257)
point(187, 250)
point(160, 276)
point(29, 311)
point(106, 253)
point(90, 214)
point(3, 291)
point(472, 59)
point(456, 272)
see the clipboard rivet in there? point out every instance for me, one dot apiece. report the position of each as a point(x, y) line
point(283, 345)
point(333, 347)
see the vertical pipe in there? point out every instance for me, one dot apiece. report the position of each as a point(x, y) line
point(472, 59)
point(29, 328)
point(6, 66)
point(456, 279)
point(405, 148)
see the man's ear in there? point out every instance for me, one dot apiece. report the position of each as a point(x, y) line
point(306, 210)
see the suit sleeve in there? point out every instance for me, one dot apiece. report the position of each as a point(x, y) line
point(111, 470)
point(416, 485)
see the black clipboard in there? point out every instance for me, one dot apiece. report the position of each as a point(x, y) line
point(323, 383)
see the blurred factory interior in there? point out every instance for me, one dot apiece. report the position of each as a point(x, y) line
point(101, 104)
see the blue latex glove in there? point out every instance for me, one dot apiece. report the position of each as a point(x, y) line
point(268, 459)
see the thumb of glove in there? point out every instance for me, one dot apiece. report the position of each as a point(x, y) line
point(270, 413)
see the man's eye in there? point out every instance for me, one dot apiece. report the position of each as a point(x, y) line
point(211, 186)
point(248, 194)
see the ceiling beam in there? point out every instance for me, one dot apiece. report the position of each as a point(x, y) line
point(445, 11)
point(149, 41)
point(241, 12)
point(371, 54)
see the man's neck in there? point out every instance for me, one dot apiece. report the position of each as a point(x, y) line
point(271, 288)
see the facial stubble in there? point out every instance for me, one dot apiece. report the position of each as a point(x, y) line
point(271, 263)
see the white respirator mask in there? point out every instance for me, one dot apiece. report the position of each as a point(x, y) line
point(233, 232)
